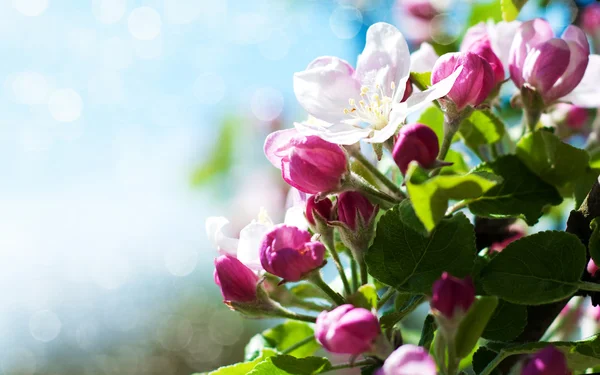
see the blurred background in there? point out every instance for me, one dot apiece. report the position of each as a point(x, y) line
point(123, 125)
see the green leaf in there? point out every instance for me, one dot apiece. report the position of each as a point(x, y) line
point(507, 323)
point(405, 304)
point(594, 243)
point(483, 11)
point(306, 290)
point(481, 128)
point(583, 185)
point(433, 117)
point(521, 193)
point(473, 324)
point(244, 367)
point(430, 196)
point(411, 261)
point(428, 332)
point(542, 268)
point(365, 297)
point(458, 164)
point(482, 357)
point(511, 9)
point(220, 159)
point(282, 337)
point(286, 364)
point(581, 355)
point(421, 80)
point(553, 160)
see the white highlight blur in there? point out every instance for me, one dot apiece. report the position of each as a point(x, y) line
point(144, 23)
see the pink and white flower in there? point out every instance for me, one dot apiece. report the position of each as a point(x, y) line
point(363, 103)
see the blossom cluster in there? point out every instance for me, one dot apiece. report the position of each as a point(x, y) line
point(326, 161)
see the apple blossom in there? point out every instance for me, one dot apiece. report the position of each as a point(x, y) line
point(347, 330)
point(363, 103)
point(416, 142)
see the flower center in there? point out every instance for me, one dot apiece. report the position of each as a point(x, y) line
point(373, 108)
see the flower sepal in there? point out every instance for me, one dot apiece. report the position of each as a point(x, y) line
point(262, 306)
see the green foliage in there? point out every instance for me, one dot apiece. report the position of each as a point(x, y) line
point(553, 160)
point(430, 196)
point(433, 117)
point(288, 365)
point(482, 357)
point(405, 303)
point(594, 243)
point(282, 337)
point(507, 323)
point(580, 355)
point(473, 324)
point(410, 260)
point(244, 367)
point(220, 159)
point(481, 128)
point(511, 9)
point(483, 11)
point(536, 269)
point(365, 296)
point(521, 193)
point(421, 80)
point(459, 166)
point(428, 332)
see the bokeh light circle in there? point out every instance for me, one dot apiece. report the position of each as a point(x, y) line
point(65, 105)
point(266, 104)
point(44, 325)
point(109, 11)
point(181, 261)
point(346, 22)
point(30, 8)
point(144, 23)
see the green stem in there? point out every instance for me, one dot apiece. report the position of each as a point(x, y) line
point(591, 287)
point(285, 313)
point(330, 245)
point(298, 344)
point(377, 173)
point(457, 207)
point(451, 125)
point(385, 297)
point(452, 360)
point(354, 268)
point(316, 279)
point(357, 183)
point(493, 364)
point(364, 275)
point(307, 305)
point(349, 365)
point(531, 118)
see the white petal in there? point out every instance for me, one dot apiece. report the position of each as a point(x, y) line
point(325, 87)
point(385, 59)
point(420, 99)
point(216, 228)
point(423, 59)
point(501, 36)
point(587, 93)
point(249, 246)
point(294, 216)
point(340, 133)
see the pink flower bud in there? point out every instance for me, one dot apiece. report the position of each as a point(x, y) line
point(483, 48)
point(289, 253)
point(237, 282)
point(474, 83)
point(421, 9)
point(552, 66)
point(347, 330)
point(307, 163)
point(353, 208)
point(451, 295)
point(590, 19)
point(322, 208)
point(516, 234)
point(592, 268)
point(416, 142)
point(409, 360)
point(548, 361)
